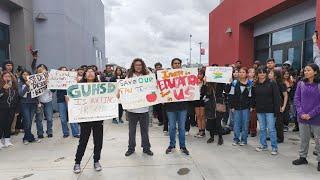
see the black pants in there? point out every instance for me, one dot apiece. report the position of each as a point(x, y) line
point(279, 126)
point(214, 125)
point(85, 131)
point(6, 118)
point(191, 117)
point(162, 115)
point(120, 109)
point(143, 119)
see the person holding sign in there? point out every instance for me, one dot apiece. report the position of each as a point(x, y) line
point(177, 113)
point(141, 115)
point(63, 111)
point(28, 107)
point(45, 108)
point(85, 130)
point(8, 103)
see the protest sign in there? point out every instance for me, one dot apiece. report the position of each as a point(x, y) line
point(38, 83)
point(138, 92)
point(179, 85)
point(92, 102)
point(219, 74)
point(61, 79)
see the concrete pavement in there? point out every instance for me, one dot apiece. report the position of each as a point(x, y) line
point(53, 159)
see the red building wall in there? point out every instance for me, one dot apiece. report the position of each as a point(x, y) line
point(240, 15)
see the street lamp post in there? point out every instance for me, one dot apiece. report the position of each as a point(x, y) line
point(190, 49)
point(200, 43)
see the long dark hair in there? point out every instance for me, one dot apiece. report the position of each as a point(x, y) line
point(315, 69)
point(278, 76)
point(21, 76)
point(84, 79)
point(2, 82)
point(132, 71)
point(115, 72)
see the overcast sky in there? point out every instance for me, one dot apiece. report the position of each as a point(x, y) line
point(156, 30)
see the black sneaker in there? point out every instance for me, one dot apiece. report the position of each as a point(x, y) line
point(169, 150)
point(295, 129)
point(148, 152)
point(300, 161)
point(185, 151)
point(315, 153)
point(210, 140)
point(220, 141)
point(160, 124)
point(279, 141)
point(76, 136)
point(253, 134)
point(65, 136)
point(50, 135)
point(40, 137)
point(129, 152)
point(318, 166)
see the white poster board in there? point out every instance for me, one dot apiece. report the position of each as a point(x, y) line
point(138, 92)
point(219, 74)
point(92, 102)
point(61, 80)
point(38, 83)
point(177, 85)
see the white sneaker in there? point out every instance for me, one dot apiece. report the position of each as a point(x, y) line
point(25, 142)
point(235, 144)
point(274, 152)
point(187, 133)
point(243, 144)
point(166, 133)
point(1, 145)
point(7, 143)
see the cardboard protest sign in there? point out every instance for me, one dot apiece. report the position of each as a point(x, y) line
point(138, 92)
point(219, 74)
point(38, 83)
point(92, 102)
point(179, 85)
point(61, 79)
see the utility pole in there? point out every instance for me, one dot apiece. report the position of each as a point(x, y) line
point(200, 43)
point(190, 61)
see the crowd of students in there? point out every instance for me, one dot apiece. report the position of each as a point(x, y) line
point(264, 93)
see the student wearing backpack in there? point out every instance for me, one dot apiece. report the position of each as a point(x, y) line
point(307, 101)
point(241, 104)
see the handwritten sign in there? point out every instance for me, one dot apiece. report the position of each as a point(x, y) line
point(138, 92)
point(61, 79)
point(92, 102)
point(38, 83)
point(219, 74)
point(179, 85)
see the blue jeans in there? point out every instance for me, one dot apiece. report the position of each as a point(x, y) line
point(180, 118)
point(48, 112)
point(267, 120)
point(231, 119)
point(63, 110)
point(241, 124)
point(28, 111)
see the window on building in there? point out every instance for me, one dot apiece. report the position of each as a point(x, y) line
point(293, 43)
point(4, 42)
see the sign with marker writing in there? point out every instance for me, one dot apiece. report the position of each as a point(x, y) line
point(138, 92)
point(92, 102)
point(177, 85)
point(61, 79)
point(38, 83)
